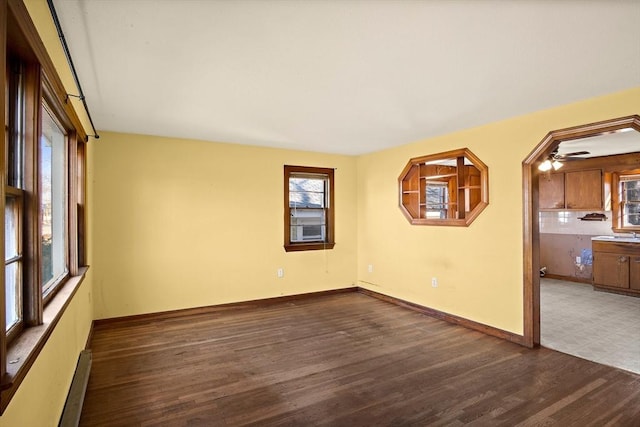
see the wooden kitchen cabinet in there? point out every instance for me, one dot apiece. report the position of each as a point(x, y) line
point(616, 266)
point(576, 190)
point(611, 269)
point(551, 191)
point(634, 273)
point(583, 189)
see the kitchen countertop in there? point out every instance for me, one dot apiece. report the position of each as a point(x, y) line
point(618, 239)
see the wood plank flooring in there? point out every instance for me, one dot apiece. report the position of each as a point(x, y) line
point(340, 360)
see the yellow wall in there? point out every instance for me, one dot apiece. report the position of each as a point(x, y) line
point(182, 223)
point(479, 268)
point(40, 398)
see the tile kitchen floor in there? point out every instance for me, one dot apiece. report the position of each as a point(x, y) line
point(598, 326)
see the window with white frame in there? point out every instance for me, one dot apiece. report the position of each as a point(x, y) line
point(629, 201)
point(53, 202)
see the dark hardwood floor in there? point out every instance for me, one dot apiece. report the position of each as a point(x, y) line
point(340, 360)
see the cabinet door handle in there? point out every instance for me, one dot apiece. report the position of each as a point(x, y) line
point(622, 259)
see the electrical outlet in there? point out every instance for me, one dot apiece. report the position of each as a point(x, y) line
point(281, 273)
point(370, 268)
point(578, 260)
point(434, 282)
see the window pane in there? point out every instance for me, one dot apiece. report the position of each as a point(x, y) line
point(12, 293)
point(437, 197)
point(15, 132)
point(631, 215)
point(631, 198)
point(308, 225)
point(15, 138)
point(307, 192)
point(632, 190)
point(11, 228)
point(53, 201)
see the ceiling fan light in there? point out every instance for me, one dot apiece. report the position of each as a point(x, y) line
point(545, 166)
point(556, 165)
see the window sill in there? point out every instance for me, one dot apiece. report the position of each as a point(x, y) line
point(293, 247)
point(24, 350)
point(626, 230)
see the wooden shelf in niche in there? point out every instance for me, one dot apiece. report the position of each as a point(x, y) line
point(449, 188)
point(435, 177)
point(439, 204)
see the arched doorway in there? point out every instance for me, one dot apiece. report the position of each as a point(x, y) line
point(531, 239)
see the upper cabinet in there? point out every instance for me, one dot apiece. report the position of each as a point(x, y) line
point(583, 189)
point(552, 191)
point(575, 190)
point(449, 188)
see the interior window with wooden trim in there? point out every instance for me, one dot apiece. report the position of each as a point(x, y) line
point(626, 201)
point(449, 188)
point(43, 196)
point(308, 208)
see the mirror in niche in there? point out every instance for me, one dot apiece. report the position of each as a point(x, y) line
point(449, 188)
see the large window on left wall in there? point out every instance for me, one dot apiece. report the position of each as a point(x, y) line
point(43, 171)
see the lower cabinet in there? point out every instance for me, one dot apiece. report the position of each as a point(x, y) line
point(634, 273)
point(616, 266)
point(611, 269)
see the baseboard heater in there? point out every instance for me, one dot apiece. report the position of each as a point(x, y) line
point(73, 406)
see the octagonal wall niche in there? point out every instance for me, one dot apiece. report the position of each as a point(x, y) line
point(450, 188)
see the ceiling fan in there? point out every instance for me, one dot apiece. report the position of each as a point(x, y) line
point(568, 156)
point(555, 160)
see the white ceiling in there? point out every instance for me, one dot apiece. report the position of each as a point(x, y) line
point(626, 141)
point(343, 76)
